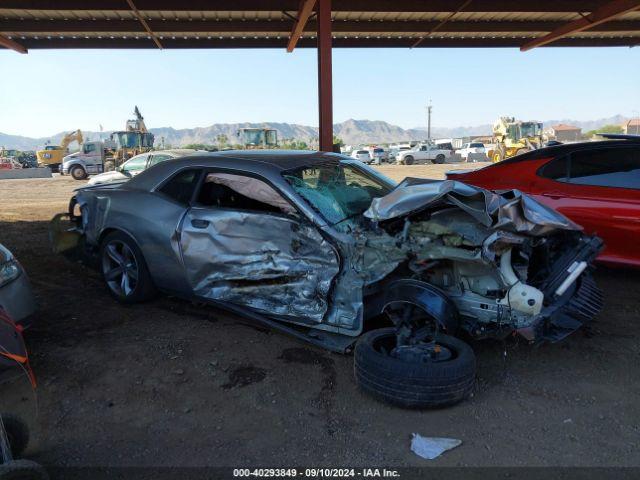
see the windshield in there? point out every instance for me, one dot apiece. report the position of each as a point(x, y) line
point(477, 145)
point(337, 191)
point(530, 129)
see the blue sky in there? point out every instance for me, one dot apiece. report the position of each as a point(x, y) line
point(45, 92)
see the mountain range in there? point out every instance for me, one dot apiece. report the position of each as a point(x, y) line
point(352, 132)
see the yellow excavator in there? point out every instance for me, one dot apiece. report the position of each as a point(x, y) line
point(513, 137)
point(52, 155)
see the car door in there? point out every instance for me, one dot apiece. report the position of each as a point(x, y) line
point(243, 243)
point(598, 188)
point(424, 153)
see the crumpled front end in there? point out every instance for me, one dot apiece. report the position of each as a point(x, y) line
point(508, 263)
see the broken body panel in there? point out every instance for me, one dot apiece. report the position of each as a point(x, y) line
point(473, 259)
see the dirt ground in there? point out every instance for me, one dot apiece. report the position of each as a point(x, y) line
point(170, 384)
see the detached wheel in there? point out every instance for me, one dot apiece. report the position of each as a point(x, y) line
point(78, 173)
point(408, 160)
point(124, 269)
point(17, 434)
point(428, 375)
point(22, 470)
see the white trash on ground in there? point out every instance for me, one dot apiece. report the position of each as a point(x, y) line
point(432, 447)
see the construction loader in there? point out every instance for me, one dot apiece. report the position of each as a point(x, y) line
point(513, 137)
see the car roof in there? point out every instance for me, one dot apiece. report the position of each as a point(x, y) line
point(260, 162)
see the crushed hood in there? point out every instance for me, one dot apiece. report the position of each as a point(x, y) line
point(509, 210)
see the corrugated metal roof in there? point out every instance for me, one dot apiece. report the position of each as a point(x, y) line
point(376, 23)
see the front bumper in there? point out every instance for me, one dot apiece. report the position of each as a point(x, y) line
point(17, 299)
point(576, 305)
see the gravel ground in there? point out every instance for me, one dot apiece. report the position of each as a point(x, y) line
point(170, 384)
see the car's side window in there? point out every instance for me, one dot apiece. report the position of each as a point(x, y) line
point(557, 169)
point(135, 164)
point(606, 167)
point(239, 192)
point(181, 187)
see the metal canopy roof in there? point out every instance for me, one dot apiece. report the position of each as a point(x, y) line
point(35, 24)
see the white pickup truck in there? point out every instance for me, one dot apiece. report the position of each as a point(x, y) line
point(89, 160)
point(426, 154)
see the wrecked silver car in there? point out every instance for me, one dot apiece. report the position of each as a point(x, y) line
point(328, 250)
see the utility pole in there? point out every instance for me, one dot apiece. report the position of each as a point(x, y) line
point(429, 107)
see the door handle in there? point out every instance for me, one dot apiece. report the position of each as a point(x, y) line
point(197, 223)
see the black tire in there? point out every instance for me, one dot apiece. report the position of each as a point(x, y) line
point(408, 160)
point(22, 470)
point(17, 434)
point(78, 173)
point(140, 286)
point(414, 384)
point(439, 158)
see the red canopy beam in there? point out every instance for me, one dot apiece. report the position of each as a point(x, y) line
point(304, 12)
point(603, 14)
point(8, 43)
point(325, 96)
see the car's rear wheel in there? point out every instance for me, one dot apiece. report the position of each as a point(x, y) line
point(440, 158)
point(426, 375)
point(78, 173)
point(124, 269)
point(408, 160)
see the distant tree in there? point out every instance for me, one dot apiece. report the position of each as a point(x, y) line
point(201, 146)
point(293, 144)
point(222, 140)
point(338, 141)
point(604, 129)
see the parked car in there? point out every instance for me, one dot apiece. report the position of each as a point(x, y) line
point(326, 249)
point(393, 153)
point(361, 155)
point(378, 155)
point(16, 296)
point(473, 152)
point(138, 164)
point(424, 153)
point(596, 184)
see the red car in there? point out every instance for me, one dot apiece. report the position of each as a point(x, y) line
point(595, 184)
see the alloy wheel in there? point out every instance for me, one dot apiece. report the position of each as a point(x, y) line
point(120, 268)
